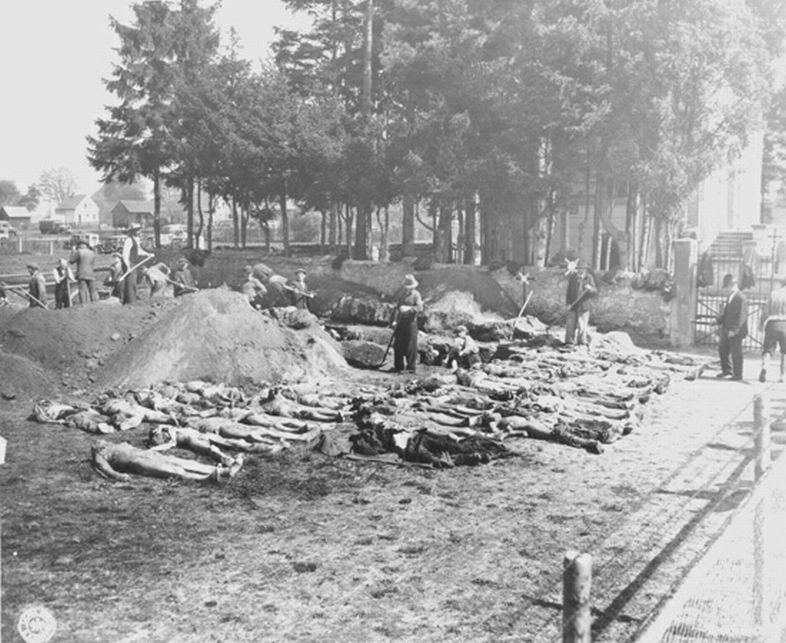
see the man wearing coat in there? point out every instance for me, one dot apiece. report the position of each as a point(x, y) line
point(581, 286)
point(733, 328)
point(37, 287)
point(84, 257)
point(405, 326)
point(62, 276)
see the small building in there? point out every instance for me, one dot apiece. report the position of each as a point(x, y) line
point(17, 216)
point(79, 211)
point(127, 212)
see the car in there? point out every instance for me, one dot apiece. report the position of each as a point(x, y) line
point(113, 243)
point(91, 238)
point(49, 226)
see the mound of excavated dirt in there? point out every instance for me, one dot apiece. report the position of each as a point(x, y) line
point(456, 307)
point(70, 343)
point(215, 335)
point(465, 281)
point(22, 378)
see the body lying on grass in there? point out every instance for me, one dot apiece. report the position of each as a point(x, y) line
point(118, 461)
point(161, 438)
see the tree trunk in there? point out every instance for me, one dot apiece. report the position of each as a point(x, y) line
point(244, 208)
point(157, 207)
point(470, 231)
point(348, 229)
point(322, 231)
point(459, 256)
point(333, 228)
point(361, 231)
point(189, 198)
point(201, 214)
point(436, 240)
point(384, 226)
point(444, 250)
point(628, 259)
point(211, 206)
point(235, 223)
point(408, 226)
point(282, 203)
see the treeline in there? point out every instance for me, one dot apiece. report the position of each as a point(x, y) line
point(489, 119)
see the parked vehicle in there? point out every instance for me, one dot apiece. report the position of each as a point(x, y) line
point(91, 238)
point(113, 243)
point(50, 226)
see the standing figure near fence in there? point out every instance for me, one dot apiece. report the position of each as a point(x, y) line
point(405, 326)
point(133, 253)
point(84, 257)
point(774, 325)
point(63, 276)
point(733, 322)
point(37, 287)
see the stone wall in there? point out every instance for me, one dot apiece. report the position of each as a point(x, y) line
point(617, 306)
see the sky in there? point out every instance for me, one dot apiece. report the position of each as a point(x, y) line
point(53, 57)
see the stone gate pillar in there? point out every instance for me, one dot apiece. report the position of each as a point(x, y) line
point(683, 306)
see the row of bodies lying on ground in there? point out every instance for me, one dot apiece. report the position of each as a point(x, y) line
point(565, 395)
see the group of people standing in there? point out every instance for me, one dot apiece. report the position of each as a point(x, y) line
point(123, 279)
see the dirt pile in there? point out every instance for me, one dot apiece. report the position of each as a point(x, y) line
point(71, 343)
point(22, 378)
point(215, 335)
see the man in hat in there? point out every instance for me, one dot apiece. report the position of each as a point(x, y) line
point(733, 328)
point(37, 287)
point(84, 258)
point(183, 279)
point(113, 281)
point(133, 253)
point(299, 293)
point(464, 353)
point(581, 286)
point(253, 288)
point(62, 276)
point(405, 326)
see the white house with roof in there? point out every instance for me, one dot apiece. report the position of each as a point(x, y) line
point(78, 210)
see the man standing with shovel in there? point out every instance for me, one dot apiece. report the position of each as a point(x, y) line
point(581, 286)
point(133, 257)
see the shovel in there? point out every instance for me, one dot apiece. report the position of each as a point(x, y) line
point(387, 350)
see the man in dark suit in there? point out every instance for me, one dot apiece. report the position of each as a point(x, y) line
point(733, 322)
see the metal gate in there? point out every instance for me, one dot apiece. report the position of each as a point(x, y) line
point(736, 253)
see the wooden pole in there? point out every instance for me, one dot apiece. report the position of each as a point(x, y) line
point(761, 429)
point(576, 586)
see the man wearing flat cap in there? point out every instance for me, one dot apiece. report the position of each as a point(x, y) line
point(37, 287)
point(133, 252)
point(405, 326)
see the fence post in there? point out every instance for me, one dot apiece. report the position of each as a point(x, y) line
point(576, 586)
point(19, 244)
point(761, 431)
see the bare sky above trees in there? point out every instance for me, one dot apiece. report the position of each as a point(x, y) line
point(53, 56)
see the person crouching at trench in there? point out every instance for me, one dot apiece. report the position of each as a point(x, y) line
point(405, 326)
point(464, 353)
